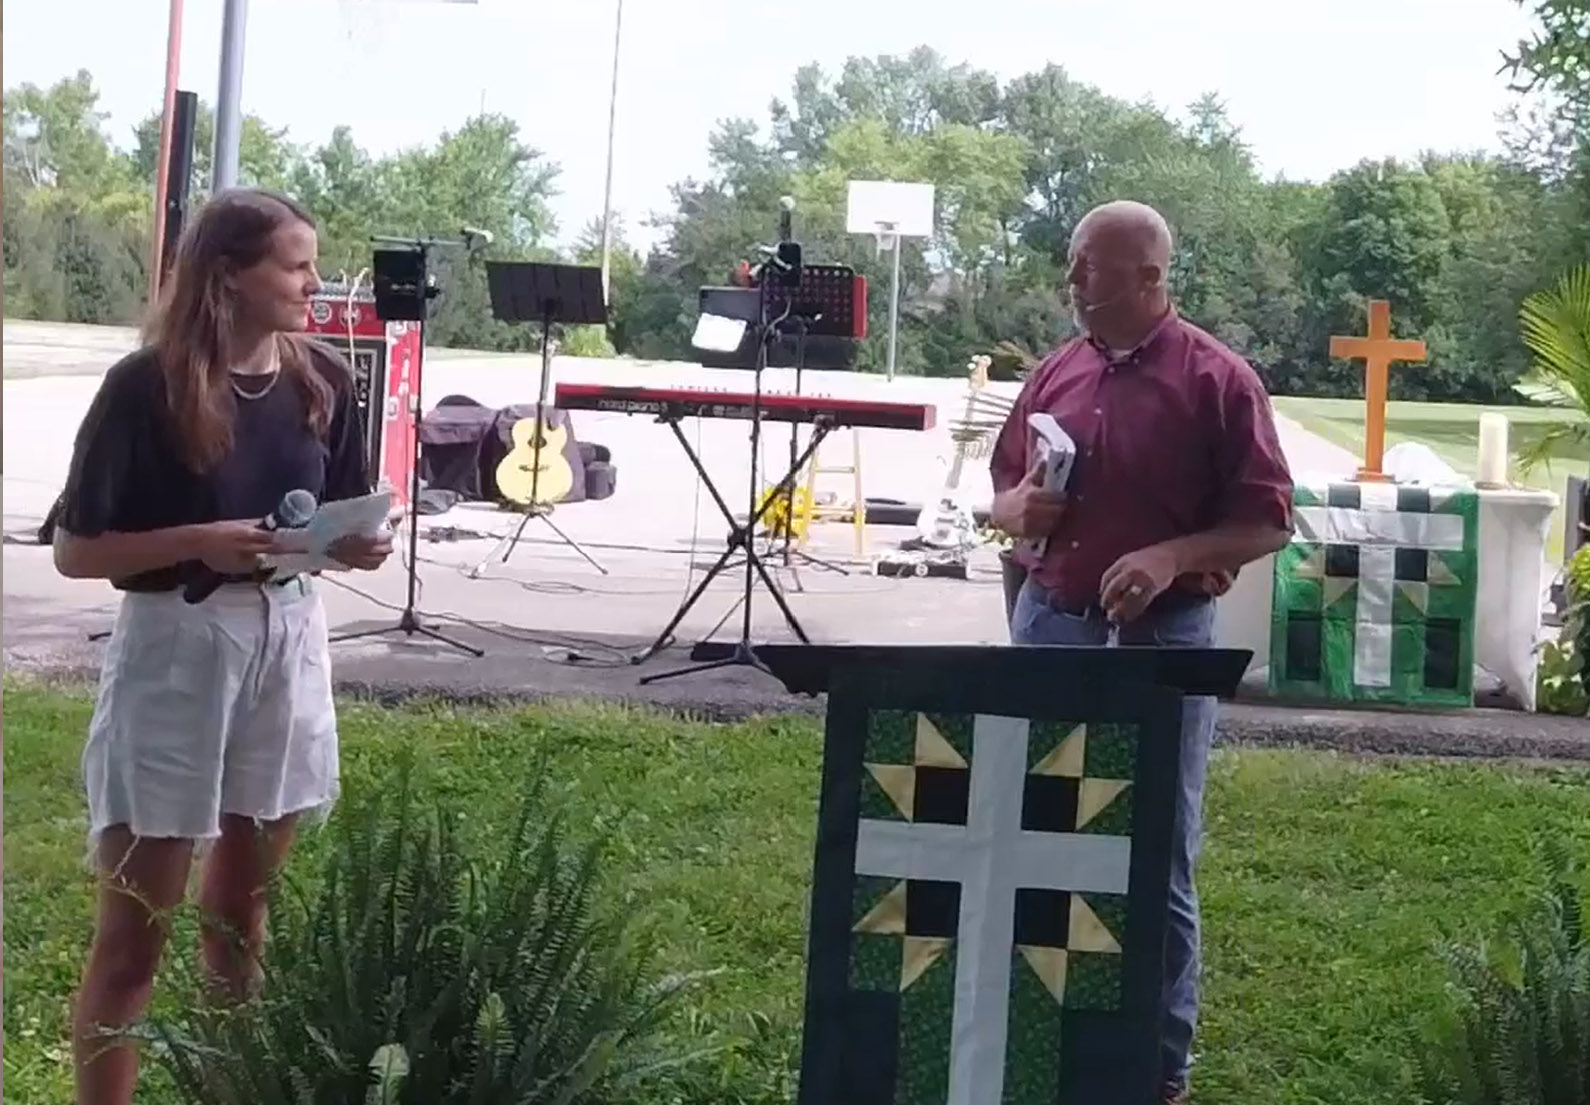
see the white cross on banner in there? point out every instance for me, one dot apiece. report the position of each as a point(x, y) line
point(1376, 529)
point(991, 857)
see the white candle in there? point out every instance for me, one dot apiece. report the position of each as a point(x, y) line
point(1492, 469)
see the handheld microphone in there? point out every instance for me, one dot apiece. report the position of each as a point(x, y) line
point(296, 509)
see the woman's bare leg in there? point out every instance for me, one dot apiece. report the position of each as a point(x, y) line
point(232, 898)
point(142, 882)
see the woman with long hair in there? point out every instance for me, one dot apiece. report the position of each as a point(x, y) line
point(214, 730)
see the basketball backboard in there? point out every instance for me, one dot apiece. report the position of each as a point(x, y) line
point(897, 207)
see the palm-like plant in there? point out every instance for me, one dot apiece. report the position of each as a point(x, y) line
point(1555, 325)
point(414, 973)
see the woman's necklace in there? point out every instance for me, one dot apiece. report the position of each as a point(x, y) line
point(275, 374)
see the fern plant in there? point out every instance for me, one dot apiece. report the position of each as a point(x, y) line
point(416, 973)
point(1555, 325)
point(1518, 1031)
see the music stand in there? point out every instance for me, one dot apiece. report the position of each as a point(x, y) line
point(531, 291)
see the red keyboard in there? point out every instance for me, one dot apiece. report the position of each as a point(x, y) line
point(776, 406)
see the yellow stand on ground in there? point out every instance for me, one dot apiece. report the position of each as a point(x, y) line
point(806, 509)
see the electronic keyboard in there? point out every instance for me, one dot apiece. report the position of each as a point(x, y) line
point(675, 403)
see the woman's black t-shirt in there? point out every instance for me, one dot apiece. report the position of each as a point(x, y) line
point(128, 477)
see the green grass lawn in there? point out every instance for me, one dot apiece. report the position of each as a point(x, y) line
point(1451, 429)
point(1325, 880)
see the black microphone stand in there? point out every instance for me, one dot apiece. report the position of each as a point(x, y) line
point(412, 306)
point(741, 653)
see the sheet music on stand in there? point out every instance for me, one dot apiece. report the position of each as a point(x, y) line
point(718, 333)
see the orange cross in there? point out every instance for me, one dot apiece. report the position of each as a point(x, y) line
point(1377, 351)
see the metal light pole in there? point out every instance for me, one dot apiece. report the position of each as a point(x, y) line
point(607, 195)
point(894, 299)
point(229, 99)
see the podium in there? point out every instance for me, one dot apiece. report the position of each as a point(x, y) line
point(989, 901)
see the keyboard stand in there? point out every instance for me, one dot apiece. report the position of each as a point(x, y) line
point(741, 539)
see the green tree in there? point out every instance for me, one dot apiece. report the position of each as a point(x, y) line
point(1556, 58)
point(1384, 234)
point(1497, 213)
point(55, 145)
point(343, 186)
point(75, 219)
point(265, 156)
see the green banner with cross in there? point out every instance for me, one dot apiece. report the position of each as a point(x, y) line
point(1375, 596)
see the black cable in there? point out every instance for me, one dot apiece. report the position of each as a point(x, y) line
point(573, 645)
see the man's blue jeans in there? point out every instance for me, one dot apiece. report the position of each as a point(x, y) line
point(1036, 622)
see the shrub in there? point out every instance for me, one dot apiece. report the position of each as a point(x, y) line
point(415, 973)
point(1564, 680)
point(1518, 1030)
point(586, 341)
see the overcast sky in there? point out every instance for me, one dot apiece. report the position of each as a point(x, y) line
point(1314, 85)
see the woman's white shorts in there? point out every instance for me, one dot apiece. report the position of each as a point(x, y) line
point(222, 706)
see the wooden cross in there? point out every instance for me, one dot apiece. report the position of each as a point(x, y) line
point(1377, 351)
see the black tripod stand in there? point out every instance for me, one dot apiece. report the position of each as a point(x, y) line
point(525, 291)
point(742, 537)
point(403, 291)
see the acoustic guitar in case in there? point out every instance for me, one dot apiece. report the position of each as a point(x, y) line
point(521, 474)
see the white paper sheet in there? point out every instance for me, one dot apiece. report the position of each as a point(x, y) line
point(365, 516)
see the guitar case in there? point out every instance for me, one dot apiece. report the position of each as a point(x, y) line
point(452, 439)
point(465, 440)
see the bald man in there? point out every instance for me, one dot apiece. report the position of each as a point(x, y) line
point(1179, 481)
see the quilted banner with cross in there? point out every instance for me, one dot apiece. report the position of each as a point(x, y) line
point(1375, 596)
point(993, 860)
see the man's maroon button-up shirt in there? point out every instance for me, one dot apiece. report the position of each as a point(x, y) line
point(1174, 438)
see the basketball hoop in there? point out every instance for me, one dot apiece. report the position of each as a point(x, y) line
point(889, 211)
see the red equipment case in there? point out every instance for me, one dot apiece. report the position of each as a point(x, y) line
point(385, 357)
